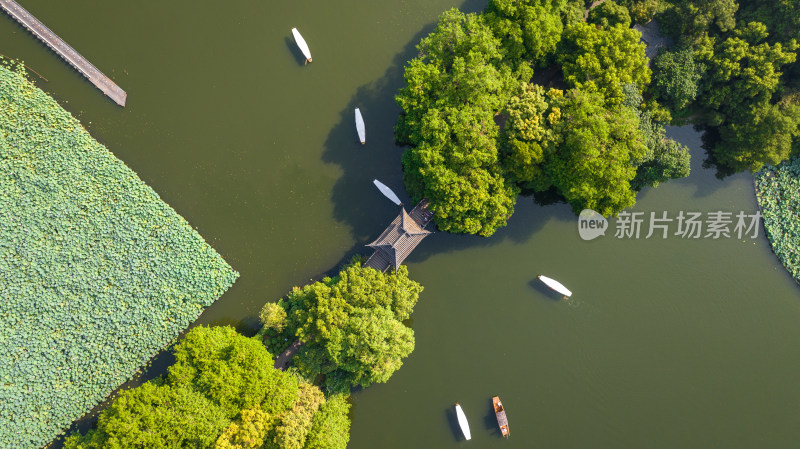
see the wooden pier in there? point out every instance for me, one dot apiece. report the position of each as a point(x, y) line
point(400, 238)
point(66, 52)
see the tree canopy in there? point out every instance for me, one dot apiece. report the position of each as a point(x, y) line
point(236, 373)
point(688, 20)
point(330, 428)
point(529, 134)
point(223, 392)
point(351, 325)
point(609, 13)
point(742, 79)
point(472, 76)
point(676, 77)
point(453, 90)
point(595, 163)
point(602, 59)
point(641, 11)
point(665, 158)
point(155, 416)
point(529, 29)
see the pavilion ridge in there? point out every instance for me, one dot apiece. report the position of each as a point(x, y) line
point(402, 235)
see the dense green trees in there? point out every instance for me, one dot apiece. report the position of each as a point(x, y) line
point(530, 134)
point(296, 423)
point(594, 164)
point(472, 74)
point(641, 11)
point(676, 77)
point(222, 392)
point(249, 432)
point(602, 59)
point(154, 416)
point(236, 373)
point(272, 316)
point(665, 158)
point(330, 427)
point(453, 90)
point(351, 326)
point(529, 29)
point(688, 20)
point(782, 17)
point(738, 52)
point(596, 155)
point(738, 88)
point(609, 13)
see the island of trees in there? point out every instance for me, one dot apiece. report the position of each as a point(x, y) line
point(481, 131)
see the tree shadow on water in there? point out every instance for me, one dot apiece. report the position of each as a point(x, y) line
point(700, 140)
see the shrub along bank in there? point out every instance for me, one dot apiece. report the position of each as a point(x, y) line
point(97, 274)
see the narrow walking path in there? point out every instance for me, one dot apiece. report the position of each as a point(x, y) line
point(285, 357)
point(66, 52)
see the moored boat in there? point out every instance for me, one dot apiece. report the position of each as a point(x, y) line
point(387, 192)
point(555, 285)
point(500, 414)
point(362, 133)
point(462, 422)
point(301, 43)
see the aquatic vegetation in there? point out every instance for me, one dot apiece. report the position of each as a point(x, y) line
point(97, 273)
point(778, 193)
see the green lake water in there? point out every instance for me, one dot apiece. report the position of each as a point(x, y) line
point(666, 343)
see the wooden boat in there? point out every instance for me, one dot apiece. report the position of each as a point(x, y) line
point(387, 192)
point(555, 285)
point(301, 43)
point(500, 413)
point(462, 422)
point(362, 133)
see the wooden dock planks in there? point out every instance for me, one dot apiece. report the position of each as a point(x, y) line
point(66, 52)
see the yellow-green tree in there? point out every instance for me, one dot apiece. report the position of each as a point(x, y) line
point(330, 428)
point(602, 59)
point(152, 416)
point(529, 134)
point(248, 432)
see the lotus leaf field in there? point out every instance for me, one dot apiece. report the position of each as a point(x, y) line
point(97, 273)
point(778, 192)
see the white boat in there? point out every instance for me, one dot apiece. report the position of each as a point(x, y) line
point(462, 421)
point(302, 44)
point(555, 285)
point(387, 192)
point(362, 133)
